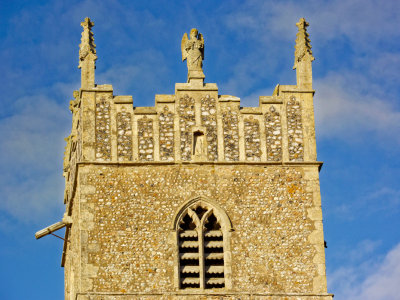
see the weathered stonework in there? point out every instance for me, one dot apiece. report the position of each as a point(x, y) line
point(124, 137)
point(273, 130)
point(252, 139)
point(295, 130)
point(231, 134)
point(122, 208)
point(103, 129)
point(196, 197)
point(145, 139)
point(209, 120)
point(166, 120)
point(187, 121)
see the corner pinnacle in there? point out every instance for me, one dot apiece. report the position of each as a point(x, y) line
point(303, 46)
point(87, 45)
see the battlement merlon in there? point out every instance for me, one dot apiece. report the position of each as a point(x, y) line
point(279, 130)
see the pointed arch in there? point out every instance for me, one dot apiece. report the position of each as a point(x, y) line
point(202, 231)
point(201, 200)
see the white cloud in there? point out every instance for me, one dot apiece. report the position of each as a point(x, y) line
point(384, 282)
point(357, 36)
point(374, 279)
point(253, 98)
point(360, 20)
point(133, 76)
point(383, 200)
point(342, 111)
point(31, 158)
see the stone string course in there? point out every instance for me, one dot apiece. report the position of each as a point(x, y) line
point(103, 136)
point(295, 130)
point(145, 139)
point(231, 134)
point(239, 296)
point(166, 121)
point(209, 120)
point(273, 131)
point(129, 249)
point(187, 121)
point(252, 139)
point(124, 135)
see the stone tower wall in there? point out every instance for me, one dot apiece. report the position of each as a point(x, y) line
point(131, 168)
point(133, 174)
point(127, 212)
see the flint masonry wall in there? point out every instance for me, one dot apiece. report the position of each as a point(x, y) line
point(273, 132)
point(129, 211)
point(128, 170)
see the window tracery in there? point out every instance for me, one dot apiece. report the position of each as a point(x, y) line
point(203, 247)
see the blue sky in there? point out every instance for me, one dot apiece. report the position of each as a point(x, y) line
point(249, 49)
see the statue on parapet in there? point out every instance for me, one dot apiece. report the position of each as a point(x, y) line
point(193, 53)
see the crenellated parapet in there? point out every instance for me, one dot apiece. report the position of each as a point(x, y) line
point(195, 124)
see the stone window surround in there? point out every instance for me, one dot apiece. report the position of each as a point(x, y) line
point(226, 228)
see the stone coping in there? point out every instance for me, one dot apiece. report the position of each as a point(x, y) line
point(165, 98)
point(145, 110)
point(123, 99)
point(205, 293)
point(251, 111)
point(192, 87)
point(250, 163)
point(270, 100)
point(293, 89)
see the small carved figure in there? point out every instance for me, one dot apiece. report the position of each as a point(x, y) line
point(193, 50)
point(199, 144)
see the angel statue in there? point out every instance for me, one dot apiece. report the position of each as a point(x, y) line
point(193, 52)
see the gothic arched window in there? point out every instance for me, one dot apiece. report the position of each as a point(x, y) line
point(203, 246)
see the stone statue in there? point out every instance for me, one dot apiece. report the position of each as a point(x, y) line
point(193, 53)
point(199, 145)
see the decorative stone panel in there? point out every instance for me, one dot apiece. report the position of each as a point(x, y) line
point(252, 139)
point(295, 130)
point(124, 135)
point(166, 124)
point(103, 136)
point(273, 132)
point(230, 122)
point(209, 120)
point(186, 121)
point(145, 139)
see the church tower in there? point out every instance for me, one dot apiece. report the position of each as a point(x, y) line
point(195, 197)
